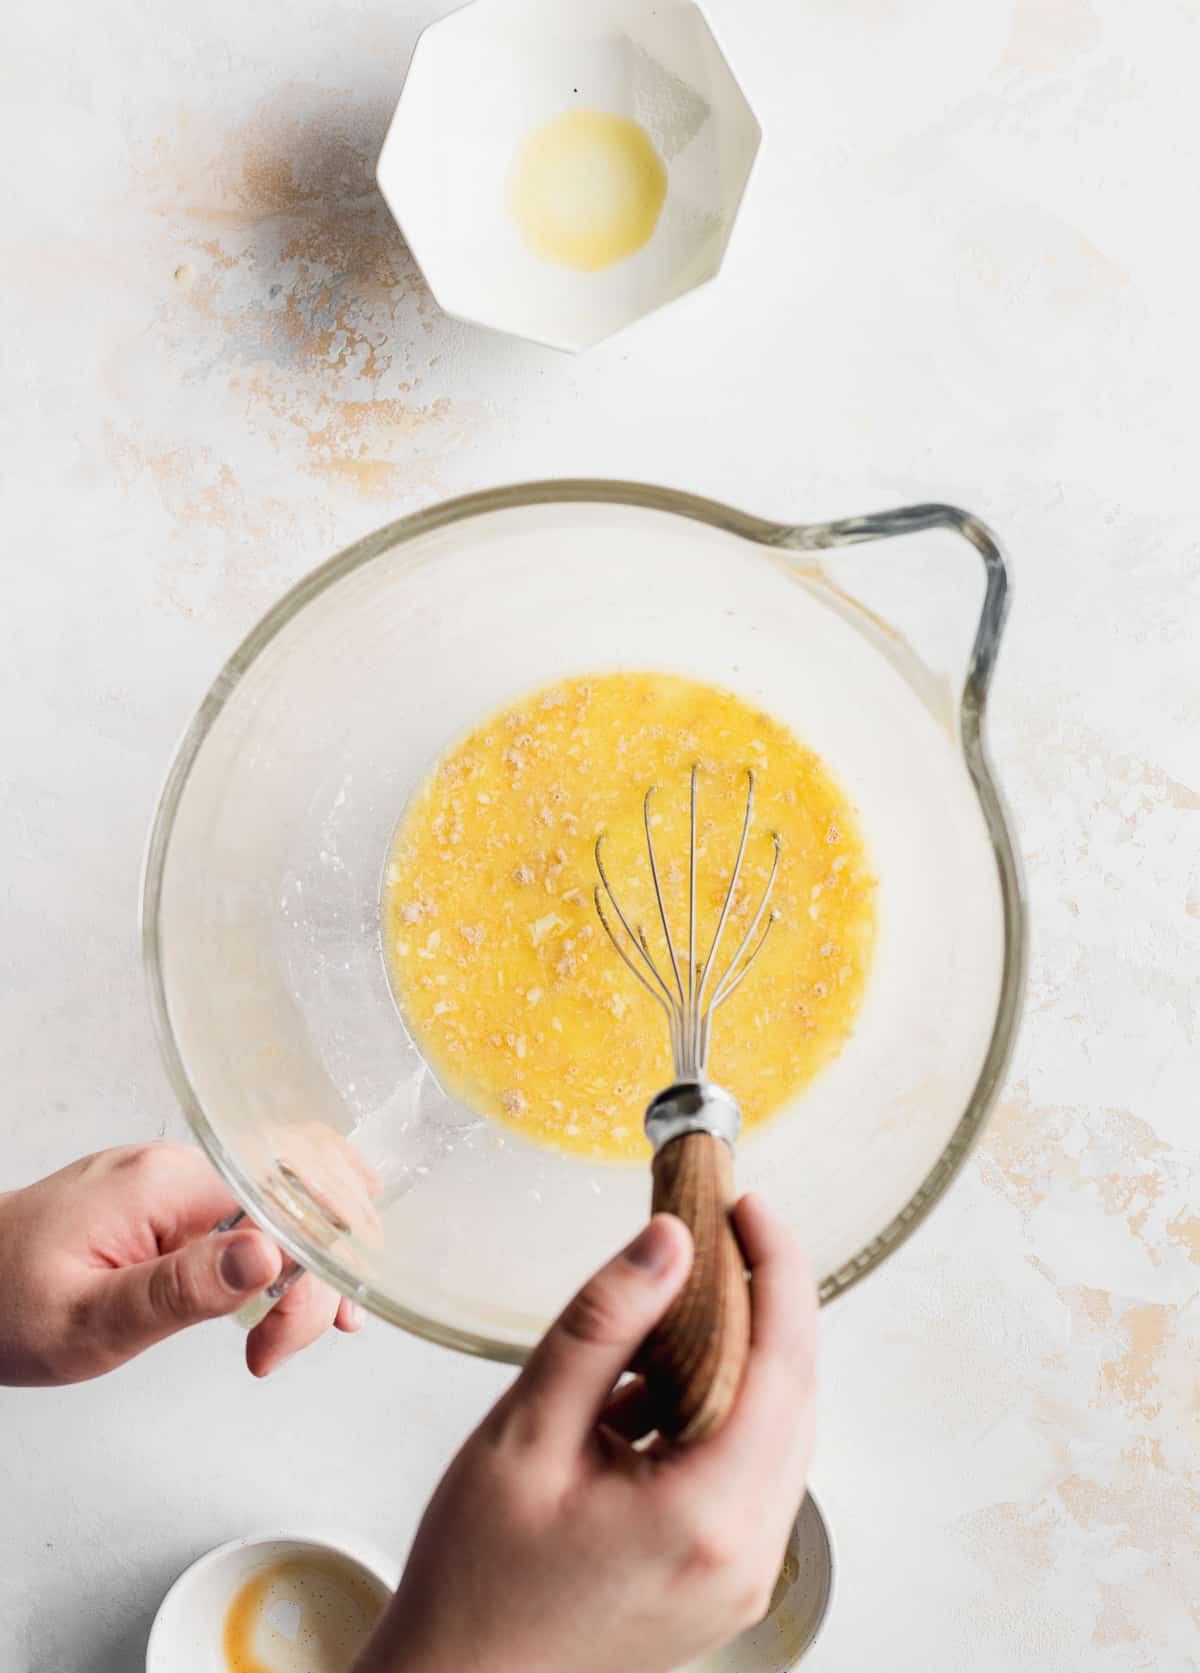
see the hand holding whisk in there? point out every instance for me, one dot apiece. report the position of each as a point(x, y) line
point(693, 1360)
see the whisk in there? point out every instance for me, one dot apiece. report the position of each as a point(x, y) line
point(694, 1359)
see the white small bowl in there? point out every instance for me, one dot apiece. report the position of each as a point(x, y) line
point(486, 77)
point(186, 1635)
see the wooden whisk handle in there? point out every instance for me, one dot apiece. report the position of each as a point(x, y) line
point(694, 1359)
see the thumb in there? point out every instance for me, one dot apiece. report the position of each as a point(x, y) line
point(206, 1279)
point(572, 1370)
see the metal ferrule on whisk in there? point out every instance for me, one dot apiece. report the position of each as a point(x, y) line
point(693, 1103)
point(692, 1106)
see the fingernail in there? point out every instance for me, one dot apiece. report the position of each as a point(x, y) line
point(355, 1317)
point(651, 1248)
point(246, 1264)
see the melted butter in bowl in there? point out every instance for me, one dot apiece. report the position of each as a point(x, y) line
point(587, 189)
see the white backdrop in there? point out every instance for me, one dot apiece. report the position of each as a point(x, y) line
point(966, 271)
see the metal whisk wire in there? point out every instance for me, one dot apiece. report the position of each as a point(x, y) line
point(689, 1011)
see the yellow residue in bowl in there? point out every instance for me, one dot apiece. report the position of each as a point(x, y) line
point(587, 189)
point(304, 1614)
point(509, 984)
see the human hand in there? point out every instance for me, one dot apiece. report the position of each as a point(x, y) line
point(114, 1252)
point(553, 1542)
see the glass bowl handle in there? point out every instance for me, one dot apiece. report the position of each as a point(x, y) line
point(913, 519)
point(989, 629)
point(255, 1311)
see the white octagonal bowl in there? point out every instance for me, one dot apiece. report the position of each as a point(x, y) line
point(485, 77)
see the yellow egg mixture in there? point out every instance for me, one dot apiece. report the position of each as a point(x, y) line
point(501, 967)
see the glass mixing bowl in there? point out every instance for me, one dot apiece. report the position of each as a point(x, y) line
point(261, 910)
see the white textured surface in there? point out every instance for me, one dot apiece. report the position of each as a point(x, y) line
point(965, 270)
